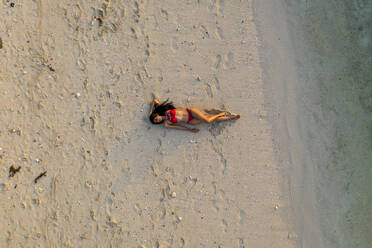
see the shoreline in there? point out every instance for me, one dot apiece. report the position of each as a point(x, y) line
point(316, 56)
point(280, 79)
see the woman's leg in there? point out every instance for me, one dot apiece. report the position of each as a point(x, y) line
point(219, 119)
point(226, 118)
point(197, 114)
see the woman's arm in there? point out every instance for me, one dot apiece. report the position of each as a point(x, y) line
point(194, 130)
point(154, 103)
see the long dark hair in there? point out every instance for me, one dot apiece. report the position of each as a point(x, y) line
point(160, 110)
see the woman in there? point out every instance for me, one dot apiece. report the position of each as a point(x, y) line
point(166, 113)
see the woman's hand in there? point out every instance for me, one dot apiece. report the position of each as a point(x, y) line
point(180, 127)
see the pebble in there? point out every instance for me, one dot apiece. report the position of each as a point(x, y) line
point(36, 201)
point(173, 194)
point(4, 187)
point(16, 131)
point(112, 222)
point(84, 236)
point(88, 185)
point(92, 215)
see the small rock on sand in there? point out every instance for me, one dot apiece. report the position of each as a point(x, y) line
point(173, 194)
point(4, 187)
point(84, 236)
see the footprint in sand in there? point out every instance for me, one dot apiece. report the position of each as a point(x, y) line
point(204, 31)
point(138, 209)
point(242, 217)
point(147, 51)
point(134, 33)
point(217, 6)
point(76, 12)
point(212, 87)
point(174, 46)
point(93, 123)
point(217, 61)
point(241, 243)
point(139, 79)
point(123, 12)
point(157, 245)
point(219, 33)
point(228, 60)
point(223, 165)
point(215, 205)
point(182, 242)
point(82, 64)
point(164, 14)
point(222, 195)
point(209, 90)
point(136, 11)
point(151, 22)
point(216, 83)
point(225, 225)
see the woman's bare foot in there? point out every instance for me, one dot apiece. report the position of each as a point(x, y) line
point(235, 117)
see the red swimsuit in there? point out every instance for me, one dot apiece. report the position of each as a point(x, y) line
point(171, 116)
point(190, 115)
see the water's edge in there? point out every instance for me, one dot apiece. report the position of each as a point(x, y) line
point(317, 61)
point(280, 81)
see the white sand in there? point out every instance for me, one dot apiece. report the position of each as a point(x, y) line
point(76, 93)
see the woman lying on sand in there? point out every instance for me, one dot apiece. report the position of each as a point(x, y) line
point(166, 113)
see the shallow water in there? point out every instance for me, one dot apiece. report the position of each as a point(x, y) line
point(333, 43)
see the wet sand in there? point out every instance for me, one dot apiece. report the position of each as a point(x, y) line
point(321, 112)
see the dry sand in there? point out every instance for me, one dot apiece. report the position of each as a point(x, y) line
point(76, 79)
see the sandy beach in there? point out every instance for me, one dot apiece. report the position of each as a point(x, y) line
point(76, 79)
